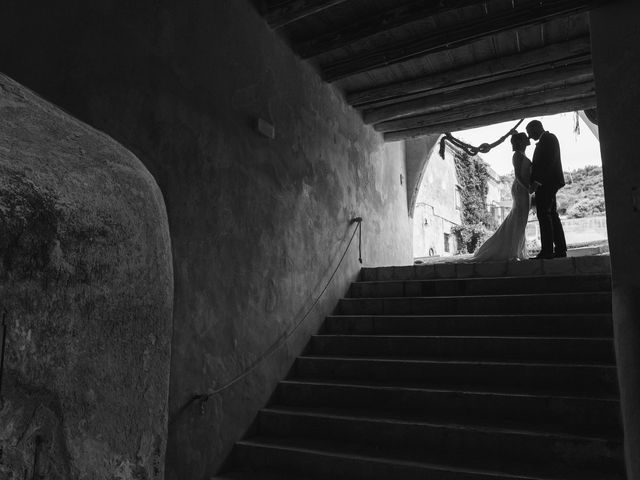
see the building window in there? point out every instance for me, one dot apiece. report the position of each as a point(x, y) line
point(446, 242)
point(457, 198)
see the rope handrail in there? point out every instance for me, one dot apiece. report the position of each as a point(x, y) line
point(470, 149)
point(283, 338)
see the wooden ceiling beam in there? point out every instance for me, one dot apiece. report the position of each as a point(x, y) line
point(494, 91)
point(552, 108)
point(293, 10)
point(532, 12)
point(380, 22)
point(550, 56)
point(484, 108)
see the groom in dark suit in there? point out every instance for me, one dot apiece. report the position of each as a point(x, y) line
point(546, 179)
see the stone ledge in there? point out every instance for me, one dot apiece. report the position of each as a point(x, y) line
point(560, 266)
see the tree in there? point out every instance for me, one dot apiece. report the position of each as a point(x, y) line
point(582, 196)
point(472, 175)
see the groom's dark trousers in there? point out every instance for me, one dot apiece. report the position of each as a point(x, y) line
point(547, 171)
point(551, 231)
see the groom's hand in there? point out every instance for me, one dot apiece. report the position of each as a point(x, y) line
point(534, 186)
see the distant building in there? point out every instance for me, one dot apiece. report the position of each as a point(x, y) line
point(438, 207)
point(497, 205)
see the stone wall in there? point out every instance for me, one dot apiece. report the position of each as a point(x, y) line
point(256, 223)
point(616, 66)
point(86, 293)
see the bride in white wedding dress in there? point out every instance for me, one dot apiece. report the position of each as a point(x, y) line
point(508, 242)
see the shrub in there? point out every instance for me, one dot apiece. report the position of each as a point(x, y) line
point(472, 175)
point(469, 237)
point(586, 207)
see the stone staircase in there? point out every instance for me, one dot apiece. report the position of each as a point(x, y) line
point(451, 371)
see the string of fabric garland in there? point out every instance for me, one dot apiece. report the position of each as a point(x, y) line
point(472, 150)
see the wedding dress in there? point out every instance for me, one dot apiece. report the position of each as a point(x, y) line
point(508, 242)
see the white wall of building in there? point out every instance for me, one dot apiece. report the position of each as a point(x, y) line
point(437, 208)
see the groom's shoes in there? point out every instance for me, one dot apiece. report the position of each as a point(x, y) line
point(541, 255)
point(549, 256)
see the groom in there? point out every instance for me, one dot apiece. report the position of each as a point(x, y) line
point(546, 179)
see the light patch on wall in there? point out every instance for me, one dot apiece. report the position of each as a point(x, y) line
point(266, 129)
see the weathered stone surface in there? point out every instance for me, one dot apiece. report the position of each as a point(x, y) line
point(404, 272)
point(558, 266)
point(491, 269)
point(86, 284)
point(425, 272)
point(445, 270)
point(386, 273)
point(461, 268)
point(369, 274)
point(596, 264)
point(465, 270)
point(524, 267)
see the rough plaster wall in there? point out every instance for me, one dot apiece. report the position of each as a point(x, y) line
point(616, 65)
point(256, 224)
point(86, 286)
point(418, 153)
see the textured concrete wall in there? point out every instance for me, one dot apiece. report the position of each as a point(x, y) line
point(86, 288)
point(418, 152)
point(615, 42)
point(256, 224)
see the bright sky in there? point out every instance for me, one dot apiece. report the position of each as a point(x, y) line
point(577, 150)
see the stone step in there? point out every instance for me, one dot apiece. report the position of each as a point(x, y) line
point(492, 371)
point(577, 350)
point(448, 441)
point(572, 413)
point(592, 302)
point(559, 266)
point(259, 475)
point(266, 474)
point(319, 460)
point(558, 378)
point(481, 286)
point(584, 325)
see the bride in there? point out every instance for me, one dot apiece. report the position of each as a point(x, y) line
point(508, 243)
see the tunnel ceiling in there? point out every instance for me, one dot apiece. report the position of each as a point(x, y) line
point(430, 66)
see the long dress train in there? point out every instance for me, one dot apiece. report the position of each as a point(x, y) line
point(508, 242)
